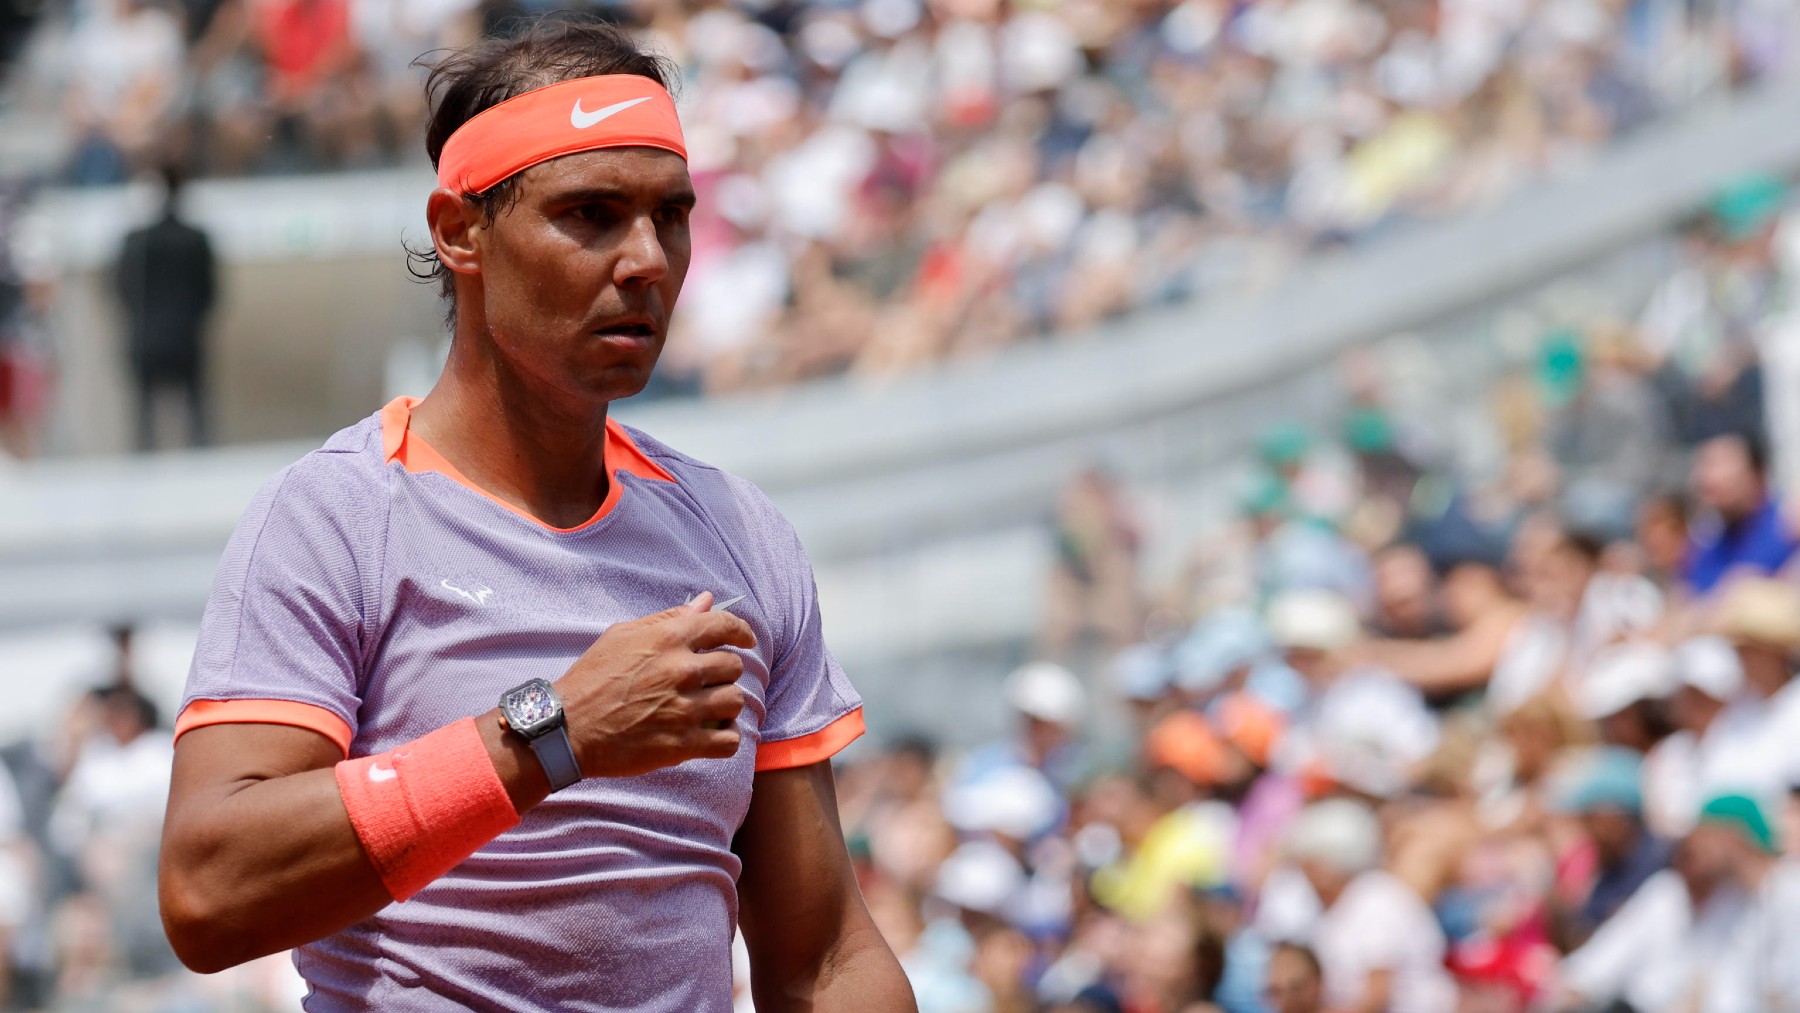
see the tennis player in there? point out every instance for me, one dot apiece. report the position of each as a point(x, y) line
point(464, 727)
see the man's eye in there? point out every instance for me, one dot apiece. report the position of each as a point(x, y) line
point(674, 214)
point(589, 212)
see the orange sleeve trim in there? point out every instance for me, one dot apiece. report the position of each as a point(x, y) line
point(820, 745)
point(201, 713)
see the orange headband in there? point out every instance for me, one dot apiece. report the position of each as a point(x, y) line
point(609, 111)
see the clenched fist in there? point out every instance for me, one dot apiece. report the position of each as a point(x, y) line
point(657, 691)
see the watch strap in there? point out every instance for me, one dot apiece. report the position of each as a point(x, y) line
point(557, 756)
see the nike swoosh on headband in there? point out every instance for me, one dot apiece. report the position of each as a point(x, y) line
point(581, 119)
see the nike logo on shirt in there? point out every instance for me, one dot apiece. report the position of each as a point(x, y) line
point(581, 119)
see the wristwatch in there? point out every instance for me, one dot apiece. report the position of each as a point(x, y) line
point(535, 711)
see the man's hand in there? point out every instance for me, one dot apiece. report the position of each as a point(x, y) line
point(657, 691)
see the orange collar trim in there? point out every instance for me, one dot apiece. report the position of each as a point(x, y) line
point(400, 443)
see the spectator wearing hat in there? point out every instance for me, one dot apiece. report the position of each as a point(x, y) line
point(1648, 955)
point(1761, 619)
point(1141, 676)
point(1756, 969)
point(1049, 704)
point(979, 884)
point(1697, 754)
point(1604, 796)
point(1189, 843)
point(1361, 727)
point(1622, 693)
point(1378, 943)
point(1744, 529)
point(1230, 650)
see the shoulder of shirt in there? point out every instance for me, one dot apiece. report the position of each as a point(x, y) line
point(733, 504)
point(349, 462)
point(671, 460)
point(687, 469)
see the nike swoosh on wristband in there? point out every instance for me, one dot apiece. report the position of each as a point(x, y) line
point(378, 773)
point(581, 119)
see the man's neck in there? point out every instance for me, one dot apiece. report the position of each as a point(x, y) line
point(1751, 874)
point(539, 450)
point(1746, 512)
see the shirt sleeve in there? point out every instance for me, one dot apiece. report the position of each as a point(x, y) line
point(811, 710)
point(282, 637)
point(1599, 970)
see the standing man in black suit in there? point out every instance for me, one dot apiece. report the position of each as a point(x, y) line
point(167, 283)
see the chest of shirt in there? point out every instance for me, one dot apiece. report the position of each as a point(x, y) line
point(474, 602)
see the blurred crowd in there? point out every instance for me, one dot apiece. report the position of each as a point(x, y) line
point(81, 809)
point(889, 182)
point(1405, 738)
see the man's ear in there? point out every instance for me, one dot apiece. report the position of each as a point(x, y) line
point(454, 221)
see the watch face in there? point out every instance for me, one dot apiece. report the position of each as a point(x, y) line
point(532, 708)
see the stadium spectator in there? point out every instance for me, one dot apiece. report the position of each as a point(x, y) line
point(1700, 752)
point(1050, 705)
point(1744, 530)
point(1295, 980)
point(1735, 841)
point(1094, 589)
point(166, 281)
point(1605, 795)
point(915, 180)
point(126, 80)
point(1398, 662)
point(1379, 946)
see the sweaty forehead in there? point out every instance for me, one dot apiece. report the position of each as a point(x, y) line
point(646, 174)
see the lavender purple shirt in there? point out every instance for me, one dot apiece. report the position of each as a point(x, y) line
point(372, 593)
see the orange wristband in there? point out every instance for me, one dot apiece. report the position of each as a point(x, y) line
point(421, 808)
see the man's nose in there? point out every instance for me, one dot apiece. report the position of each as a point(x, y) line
point(642, 260)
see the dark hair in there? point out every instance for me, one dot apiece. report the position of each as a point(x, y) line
point(126, 700)
point(1670, 501)
point(1304, 953)
point(1208, 956)
point(1756, 450)
point(535, 53)
point(917, 746)
point(1586, 544)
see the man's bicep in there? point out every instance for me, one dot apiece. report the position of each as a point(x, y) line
point(232, 780)
point(216, 759)
point(797, 884)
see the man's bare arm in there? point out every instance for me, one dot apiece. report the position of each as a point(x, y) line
point(813, 946)
point(259, 854)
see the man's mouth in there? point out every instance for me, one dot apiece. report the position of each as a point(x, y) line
point(638, 329)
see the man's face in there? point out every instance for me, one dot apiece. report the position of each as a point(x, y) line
point(579, 275)
point(1613, 831)
point(1403, 587)
point(1708, 856)
point(1694, 710)
point(1724, 479)
point(1292, 986)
